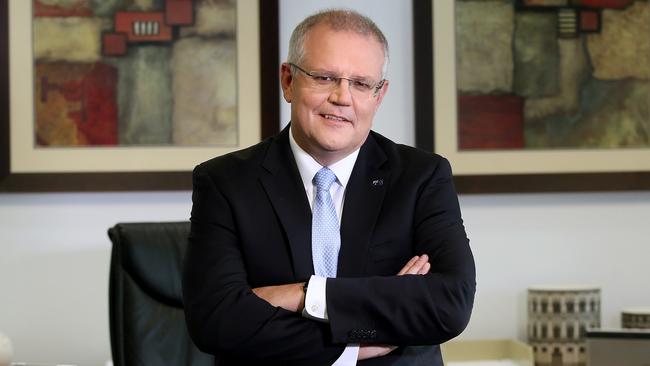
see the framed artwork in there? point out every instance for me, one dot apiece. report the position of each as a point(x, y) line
point(131, 95)
point(535, 95)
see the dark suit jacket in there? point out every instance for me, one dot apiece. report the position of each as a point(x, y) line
point(251, 227)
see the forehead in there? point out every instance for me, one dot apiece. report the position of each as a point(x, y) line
point(343, 51)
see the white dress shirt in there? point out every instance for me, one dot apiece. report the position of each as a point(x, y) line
point(315, 299)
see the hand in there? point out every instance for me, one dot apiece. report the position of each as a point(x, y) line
point(417, 265)
point(290, 297)
point(374, 350)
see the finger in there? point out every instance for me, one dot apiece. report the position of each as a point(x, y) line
point(425, 269)
point(371, 351)
point(408, 265)
point(417, 266)
point(385, 349)
point(421, 263)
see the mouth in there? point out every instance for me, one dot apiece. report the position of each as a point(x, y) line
point(333, 117)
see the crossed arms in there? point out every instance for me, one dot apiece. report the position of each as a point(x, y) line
point(291, 297)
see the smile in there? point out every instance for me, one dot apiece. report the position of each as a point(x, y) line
point(335, 118)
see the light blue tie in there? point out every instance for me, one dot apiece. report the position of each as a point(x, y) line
point(325, 232)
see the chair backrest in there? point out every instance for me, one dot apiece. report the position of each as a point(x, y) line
point(147, 323)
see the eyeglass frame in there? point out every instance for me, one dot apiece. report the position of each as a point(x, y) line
point(373, 89)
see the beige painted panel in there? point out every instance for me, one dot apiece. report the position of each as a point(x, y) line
point(484, 66)
point(67, 39)
point(205, 107)
point(622, 49)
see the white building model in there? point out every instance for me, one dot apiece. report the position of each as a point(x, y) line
point(557, 319)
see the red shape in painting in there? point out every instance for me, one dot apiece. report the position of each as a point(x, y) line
point(490, 122)
point(589, 21)
point(143, 27)
point(80, 9)
point(114, 44)
point(179, 12)
point(99, 122)
point(89, 94)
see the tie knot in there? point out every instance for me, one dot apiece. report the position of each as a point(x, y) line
point(324, 179)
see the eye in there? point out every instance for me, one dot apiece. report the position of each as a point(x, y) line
point(361, 84)
point(323, 78)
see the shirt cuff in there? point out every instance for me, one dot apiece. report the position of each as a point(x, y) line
point(349, 356)
point(315, 301)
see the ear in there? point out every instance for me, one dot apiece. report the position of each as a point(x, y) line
point(286, 80)
point(381, 93)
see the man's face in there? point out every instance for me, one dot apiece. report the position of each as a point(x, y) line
point(331, 124)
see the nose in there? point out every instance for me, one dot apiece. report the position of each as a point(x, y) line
point(341, 95)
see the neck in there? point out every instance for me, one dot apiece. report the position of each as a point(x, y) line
point(327, 159)
point(322, 156)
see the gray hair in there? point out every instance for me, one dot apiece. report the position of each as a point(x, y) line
point(338, 20)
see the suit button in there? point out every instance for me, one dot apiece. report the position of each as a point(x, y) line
point(353, 335)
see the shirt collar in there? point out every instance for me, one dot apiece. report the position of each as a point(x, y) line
point(308, 166)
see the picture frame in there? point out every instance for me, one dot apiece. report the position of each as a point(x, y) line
point(501, 171)
point(122, 168)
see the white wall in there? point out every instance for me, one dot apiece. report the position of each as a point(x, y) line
point(540, 239)
point(55, 252)
point(54, 263)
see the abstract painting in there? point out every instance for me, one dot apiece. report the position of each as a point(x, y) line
point(118, 95)
point(535, 95)
point(553, 74)
point(135, 73)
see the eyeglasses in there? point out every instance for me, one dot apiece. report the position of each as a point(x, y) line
point(359, 88)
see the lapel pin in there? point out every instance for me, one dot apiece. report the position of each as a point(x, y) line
point(378, 182)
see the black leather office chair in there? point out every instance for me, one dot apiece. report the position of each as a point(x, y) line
point(147, 323)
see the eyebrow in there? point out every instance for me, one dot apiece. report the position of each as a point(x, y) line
point(356, 77)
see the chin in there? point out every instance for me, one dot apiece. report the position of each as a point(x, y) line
point(332, 146)
point(336, 136)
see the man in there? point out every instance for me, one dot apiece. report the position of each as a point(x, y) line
point(365, 232)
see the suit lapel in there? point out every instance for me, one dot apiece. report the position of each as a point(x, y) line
point(363, 200)
point(287, 195)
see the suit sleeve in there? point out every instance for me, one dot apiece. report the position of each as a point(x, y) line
point(413, 309)
point(223, 315)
